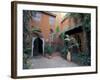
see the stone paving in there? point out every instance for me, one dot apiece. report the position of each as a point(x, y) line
point(53, 62)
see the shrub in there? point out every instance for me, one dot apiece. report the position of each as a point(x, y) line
point(27, 51)
point(26, 62)
point(25, 58)
point(82, 58)
point(48, 49)
point(64, 52)
point(85, 59)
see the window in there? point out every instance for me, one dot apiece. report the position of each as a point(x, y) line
point(36, 16)
point(52, 20)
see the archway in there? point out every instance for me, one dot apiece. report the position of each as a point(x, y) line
point(37, 46)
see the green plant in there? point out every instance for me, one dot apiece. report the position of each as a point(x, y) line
point(82, 59)
point(48, 49)
point(25, 57)
point(64, 52)
point(62, 36)
point(36, 29)
point(85, 59)
point(26, 63)
point(57, 29)
point(27, 51)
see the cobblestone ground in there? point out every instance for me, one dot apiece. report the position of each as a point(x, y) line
point(43, 62)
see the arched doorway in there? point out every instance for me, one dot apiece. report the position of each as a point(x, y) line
point(37, 46)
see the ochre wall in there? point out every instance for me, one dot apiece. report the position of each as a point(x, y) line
point(65, 23)
point(43, 24)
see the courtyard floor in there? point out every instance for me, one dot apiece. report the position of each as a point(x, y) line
point(53, 62)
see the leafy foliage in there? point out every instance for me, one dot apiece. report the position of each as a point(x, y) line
point(36, 30)
point(62, 35)
point(48, 49)
point(26, 30)
point(64, 52)
point(27, 51)
point(26, 38)
point(57, 29)
point(85, 20)
point(26, 63)
point(83, 59)
point(81, 18)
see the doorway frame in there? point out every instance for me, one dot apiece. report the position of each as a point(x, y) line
point(33, 39)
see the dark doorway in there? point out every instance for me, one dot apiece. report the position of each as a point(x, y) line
point(38, 47)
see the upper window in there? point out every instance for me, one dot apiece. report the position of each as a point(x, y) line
point(51, 20)
point(36, 16)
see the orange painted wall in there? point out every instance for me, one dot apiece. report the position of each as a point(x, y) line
point(68, 22)
point(43, 24)
point(58, 20)
point(65, 23)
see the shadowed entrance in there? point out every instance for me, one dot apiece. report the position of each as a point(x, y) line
point(38, 48)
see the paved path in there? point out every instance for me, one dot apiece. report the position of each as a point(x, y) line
point(43, 62)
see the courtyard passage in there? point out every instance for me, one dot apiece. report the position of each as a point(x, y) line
point(56, 61)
